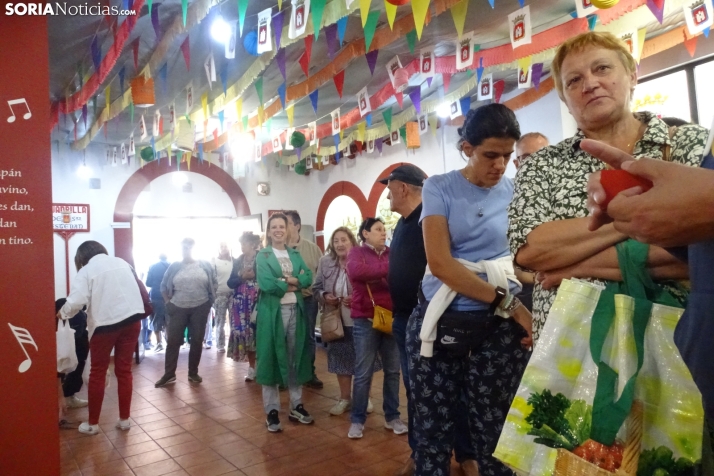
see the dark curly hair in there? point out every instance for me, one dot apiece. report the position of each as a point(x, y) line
point(493, 120)
point(367, 225)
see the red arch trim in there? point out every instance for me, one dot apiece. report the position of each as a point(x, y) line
point(124, 208)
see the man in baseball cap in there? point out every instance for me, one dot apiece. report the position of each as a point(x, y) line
point(407, 173)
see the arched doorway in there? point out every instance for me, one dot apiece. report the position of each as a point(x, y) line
point(337, 189)
point(124, 208)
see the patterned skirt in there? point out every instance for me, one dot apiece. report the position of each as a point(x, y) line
point(341, 355)
point(242, 337)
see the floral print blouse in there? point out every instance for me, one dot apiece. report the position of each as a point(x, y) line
point(551, 185)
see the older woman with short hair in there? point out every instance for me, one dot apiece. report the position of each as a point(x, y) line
point(595, 76)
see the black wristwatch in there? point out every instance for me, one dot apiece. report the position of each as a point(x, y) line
point(500, 295)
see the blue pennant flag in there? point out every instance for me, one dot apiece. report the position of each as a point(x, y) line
point(221, 116)
point(368, 119)
point(465, 105)
point(96, 54)
point(341, 29)
point(574, 14)
point(313, 100)
point(336, 138)
point(121, 80)
point(281, 93)
point(491, 2)
point(706, 32)
point(200, 151)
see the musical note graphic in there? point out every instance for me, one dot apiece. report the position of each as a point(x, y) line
point(23, 337)
point(14, 102)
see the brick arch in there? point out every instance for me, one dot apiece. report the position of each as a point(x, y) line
point(378, 188)
point(337, 189)
point(124, 208)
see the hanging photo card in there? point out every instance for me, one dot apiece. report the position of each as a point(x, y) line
point(265, 42)
point(455, 109)
point(298, 18)
point(423, 124)
point(115, 157)
point(392, 68)
point(258, 151)
point(189, 98)
point(288, 145)
point(427, 63)
point(132, 148)
point(325, 160)
point(313, 132)
point(365, 106)
point(630, 40)
point(465, 51)
point(524, 73)
point(370, 146)
point(335, 121)
point(698, 15)
point(519, 22)
point(172, 117)
point(308, 163)
point(142, 128)
point(394, 137)
point(157, 119)
point(210, 67)
point(231, 43)
point(585, 8)
point(485, 87)
point(124, 157)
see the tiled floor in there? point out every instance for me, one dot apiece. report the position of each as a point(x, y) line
point(218, 428)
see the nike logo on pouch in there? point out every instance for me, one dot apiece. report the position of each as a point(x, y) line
point(448, 340)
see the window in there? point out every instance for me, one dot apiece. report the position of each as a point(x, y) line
point(705, 93)
point(666, 96)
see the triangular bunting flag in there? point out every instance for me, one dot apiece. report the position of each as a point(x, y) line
point(96, 54)
point(281, 93)
point(313, 100)
point(592, 21)
point(280, 4)
point(458, 13)
point(305, 63)
point(290, 112)
point(433, 122)
point(331, 38)
point(184, 10)
point(415, 96)
point(369, 28)
point(341, 29)
point(446, 77)
point(84, 115)
point(186, 50)
point(361, 129)
point(536, 73)
point(339, 80)
point(391, 10)
point(221, 118)
point(308, 47)
point(155, 22)
point(259, 90)
point(706, 32)
point(108, 96)
point(657, 9)
point(419, 9)
point(364, 10)
point(242, 8)
point(428, 81)
point(318, 8)
point(378, 142)
point(479, 70)
point(691, 44)
point(411, 40)
point(239, 108)
point(387, 115)
point(492, 3)
point(280, 59)
point(278, 27)
point(121, 79)
point(400, 99)
point(368, 119)
point(465, 105)
point(372, 60)
point(498, 88)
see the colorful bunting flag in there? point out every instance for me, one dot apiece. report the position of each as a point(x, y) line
point(465, 51)
point(458, 13)
point(230, 45)
point(108, 96)
point(364, 10)
point(387, 115)
point(536, 72)
point(433, 124)
point(318, 8)
point(427, 62)
point(290, 112)
point(361, 129)
point(184, 10)
point(446, 78)
point(96, 54)
point(363, 102)
point(465, 103)
point(411, 40)
point(369, 28)
point(519, 23)
point(378, 143)
point(699, 16)
point(298, 18)
point(498, 88)
point(186, 50)
point(259, 89)
point(84, 115)
point(242, 8)
point(305, 63)
point(391, 10)
point(155, 22)
point(339, 80)
point(485, 88)
point(368, 119)
point(400, 99)
point(204, 105)
point(524, 73)
point(308, 47)
point(281, 93)
point(657, 9)
point(313, 100)
point(278, 26)
point(122, 71)
point(592, 21)
point(331, 38)
point(280, 59)
point(371, 58)
point(341, 29)
point(415, 97)
point(221, 117)
point(691, 45)
point(419, 10)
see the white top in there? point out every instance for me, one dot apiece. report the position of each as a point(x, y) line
point(498, 272)
point(341, 291)
point(108, 287)
point(287, 266)
point(223, 272)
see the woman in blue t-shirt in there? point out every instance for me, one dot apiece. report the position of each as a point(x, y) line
point(470, 335)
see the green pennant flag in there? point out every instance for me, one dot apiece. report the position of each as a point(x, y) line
point(269, 124)
point(477, 48)
point(184, 10)
point(245, 123)
point(369, 28)
point(188, 119)
point(131, 112)
point(387, 115)
point(403, 133)
point(149, 3)
point(259, 89)
point(242, 8)
point(411, 40)
point(317, 7)
point(469, 73)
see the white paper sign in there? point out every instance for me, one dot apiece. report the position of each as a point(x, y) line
point(370, 146)
point(455, 109)
point(394, 137)
point(258, 151)
point(365, 105)
point(313, 132)
point(308, 163)
point(585, 8)
point(189, 98)
point(630, 39)
point(288, 145)
point(132, 149)
point(298, 18)
point(524, 77)
point(519, 23)
point(231, 43)
point(465, 51)
point(265, 38)
point(698, 15)
point(485, 88)
point(210, 66)
point(172, 117)
point(157, 119)
point(335, 121)
point(124, 157)
point(325, 160)
point(427, 63)
point(423, 124)
point(115, 157)
point(392, 68)
point(277, 141)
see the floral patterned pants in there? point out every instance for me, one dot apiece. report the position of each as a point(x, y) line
point(489, 376)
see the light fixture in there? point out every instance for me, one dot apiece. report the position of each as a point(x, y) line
point(84, 172)
point(179, 179)
point(443, 110)
point(220, 30)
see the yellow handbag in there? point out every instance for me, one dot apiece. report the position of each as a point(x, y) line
point(382, 317)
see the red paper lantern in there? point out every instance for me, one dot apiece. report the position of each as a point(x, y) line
point(398, 3)
point(401, 80)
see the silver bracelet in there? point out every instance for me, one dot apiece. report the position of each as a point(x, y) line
point(513, 305)
point(506, 302)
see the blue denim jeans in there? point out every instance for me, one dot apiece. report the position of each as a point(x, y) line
point(145, 333)
point(311, 315)
point(367, 343)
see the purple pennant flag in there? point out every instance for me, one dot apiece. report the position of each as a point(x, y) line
point(96, 54)
point(368, 119)
point(278, 27)
point(299, 153)
point(341, 29)
point(313, 100)
point(657, 10)
point(155, 21)
point(121, 80)
point(372, 59)
point(536, 72)
point(84, 115)
point(428, 81)
point(415, 96)
point(378, 144)
point(331, 37)
point(280, 58)
point(281, 93)
point(163, 73)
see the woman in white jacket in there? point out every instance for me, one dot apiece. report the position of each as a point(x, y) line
point(109, 288)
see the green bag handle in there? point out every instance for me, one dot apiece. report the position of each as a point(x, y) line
point(609, 414)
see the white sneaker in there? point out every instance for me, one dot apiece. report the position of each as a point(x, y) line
point(340, 407)
point(206, 346)
point(250, 376)
point(123, 424)
point(75, 402)
point(397, 426)
point(355, 431)
point(370, 407)
point(88, 429)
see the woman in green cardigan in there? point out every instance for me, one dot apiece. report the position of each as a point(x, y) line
point(281, 339)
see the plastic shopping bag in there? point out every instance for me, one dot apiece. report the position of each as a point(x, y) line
point(66, 352)
point(606, 391)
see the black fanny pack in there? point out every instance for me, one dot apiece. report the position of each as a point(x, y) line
point(460, 333)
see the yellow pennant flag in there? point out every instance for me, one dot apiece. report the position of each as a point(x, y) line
point(204, 105)
point(239, 112)
point(107, 96)
point(260, 116)
point(364, 10)
point(640, 43)
point(342, 135)
point(419, 9)
point(458, 12)
point(290, 111)
point(280, 5)
point(391, 13)
point(433, 122)
point(361, 129)
point(524, 64)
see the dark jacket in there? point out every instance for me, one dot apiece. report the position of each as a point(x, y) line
point(154, 277)
point(365, 266)
point(235, 279)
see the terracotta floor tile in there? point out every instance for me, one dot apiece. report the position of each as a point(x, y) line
point(180, 472)
point(383, 468)
point(214, 468)
point(167, 466)
point(146, 458)
point(143, 447)
point(96, 459)
point(157, 425)
point(196, 458)
point(248, 458)
point(175, 440)
point(185, 448)
point(110, 468)
point(164, 432)
point(140, 420)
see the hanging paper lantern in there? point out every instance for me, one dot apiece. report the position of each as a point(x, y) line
point(413, 139)
point(603, 4)
point(250, 43)
point(297, 140)
point(147, 154)
point(301, 167)
point(401, 80)
point(142, 91)
point(398, 3)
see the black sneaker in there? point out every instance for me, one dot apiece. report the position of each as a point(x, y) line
point(314, 383)
point(300, 414)
point(273, 422)
point(165, 380)
point(195, 378)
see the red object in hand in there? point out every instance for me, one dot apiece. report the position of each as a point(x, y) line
point(398, 2)
point(615, 181)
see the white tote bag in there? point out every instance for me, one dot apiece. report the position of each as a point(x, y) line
point(66, 352)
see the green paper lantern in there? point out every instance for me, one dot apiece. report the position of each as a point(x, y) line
point(297, 140)
point(301, 167)
point(147, 154)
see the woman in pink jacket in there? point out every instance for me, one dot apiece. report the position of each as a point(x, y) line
point(367, 268)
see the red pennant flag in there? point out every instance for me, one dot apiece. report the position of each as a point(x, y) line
point(186, 50)
point(339, 79)
point(446, 77)
point(690, 44)
point(498, 88)
point(305, 63)
point(135, 47)
point(215, 134)
point(400, 99)
point(161, 126)
point(308, 46)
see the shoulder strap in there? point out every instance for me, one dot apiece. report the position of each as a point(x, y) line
point(667, 148)
point(370, 295)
